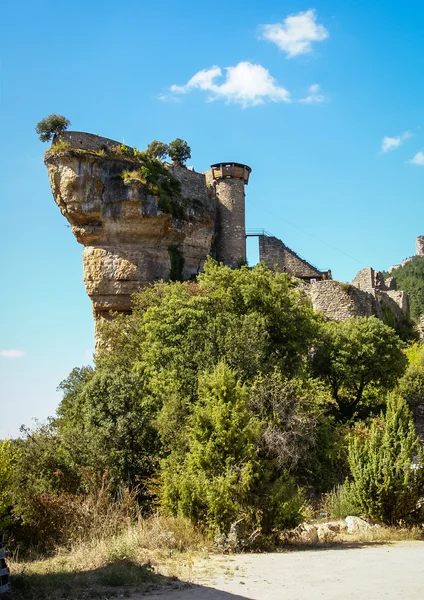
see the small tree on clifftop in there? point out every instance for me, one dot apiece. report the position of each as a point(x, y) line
point(50, 126)
point(179, 152)
point(157, 149)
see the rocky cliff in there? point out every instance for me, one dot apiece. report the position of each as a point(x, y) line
point(139, 222)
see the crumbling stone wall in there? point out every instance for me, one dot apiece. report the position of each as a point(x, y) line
point(401, 299)
point(274, 253)
point(339, 301)
point(87, 141)
point(367, 279)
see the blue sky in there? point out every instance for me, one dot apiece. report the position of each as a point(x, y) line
point(324, 100)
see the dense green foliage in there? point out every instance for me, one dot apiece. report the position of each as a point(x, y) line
point(50, 126)
point(157, 149)
point(411, 385)
point(410, 278)
point(157, 180)
point(387, 466)
point(224, 400)
point(357, 356)
point(179, 152)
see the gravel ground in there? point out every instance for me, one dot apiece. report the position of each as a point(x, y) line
point(363, 572)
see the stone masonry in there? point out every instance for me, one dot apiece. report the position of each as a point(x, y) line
point(227, 180)
point(275, 254)
point(367, 295)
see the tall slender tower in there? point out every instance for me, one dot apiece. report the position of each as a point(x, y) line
point(228, 180)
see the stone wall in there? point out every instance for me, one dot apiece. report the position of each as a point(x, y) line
point(364, 279)
point(339, 301)
point(87, 141)
point(274, 253)
point(401, 298)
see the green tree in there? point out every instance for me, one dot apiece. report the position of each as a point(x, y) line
point(355, 357)
point(221, 479)
point(108, 427)
point(387, 466)
point(42, 467)
point(411, 384)
point(157, 149)
point(50, 126)
point(179, 152)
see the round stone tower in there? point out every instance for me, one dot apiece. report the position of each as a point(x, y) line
point(228, 180)
point(419, 245)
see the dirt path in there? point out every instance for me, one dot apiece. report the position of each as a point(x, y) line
point(370, 572)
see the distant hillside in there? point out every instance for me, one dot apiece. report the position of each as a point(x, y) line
point(410, 278)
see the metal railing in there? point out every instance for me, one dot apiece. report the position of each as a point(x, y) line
point(258, 232)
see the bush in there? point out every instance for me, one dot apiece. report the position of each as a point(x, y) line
point(411, 385)
point(292, 412)
point(387, 466)
point(221, 479)
point(179, 152)
point(50, 126)
point(339, 503)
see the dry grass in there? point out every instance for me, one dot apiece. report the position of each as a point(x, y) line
point(151, 553)
point(383, 535)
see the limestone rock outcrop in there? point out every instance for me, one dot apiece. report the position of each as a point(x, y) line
point(130, 237)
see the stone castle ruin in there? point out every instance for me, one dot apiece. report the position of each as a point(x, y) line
point(134, 234)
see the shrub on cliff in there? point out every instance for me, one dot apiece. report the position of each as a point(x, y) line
point(358, 358)
point(50, 126)
point(387, 466)
point(179, 152)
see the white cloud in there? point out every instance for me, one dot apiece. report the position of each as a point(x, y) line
point(11, 353)
point(390, 143)
point(296, 33)
point(168, 98)
point(314, 96)
point(246, 84)
point(418, 159)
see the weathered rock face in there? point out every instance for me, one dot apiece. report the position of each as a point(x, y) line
point(129, 238)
